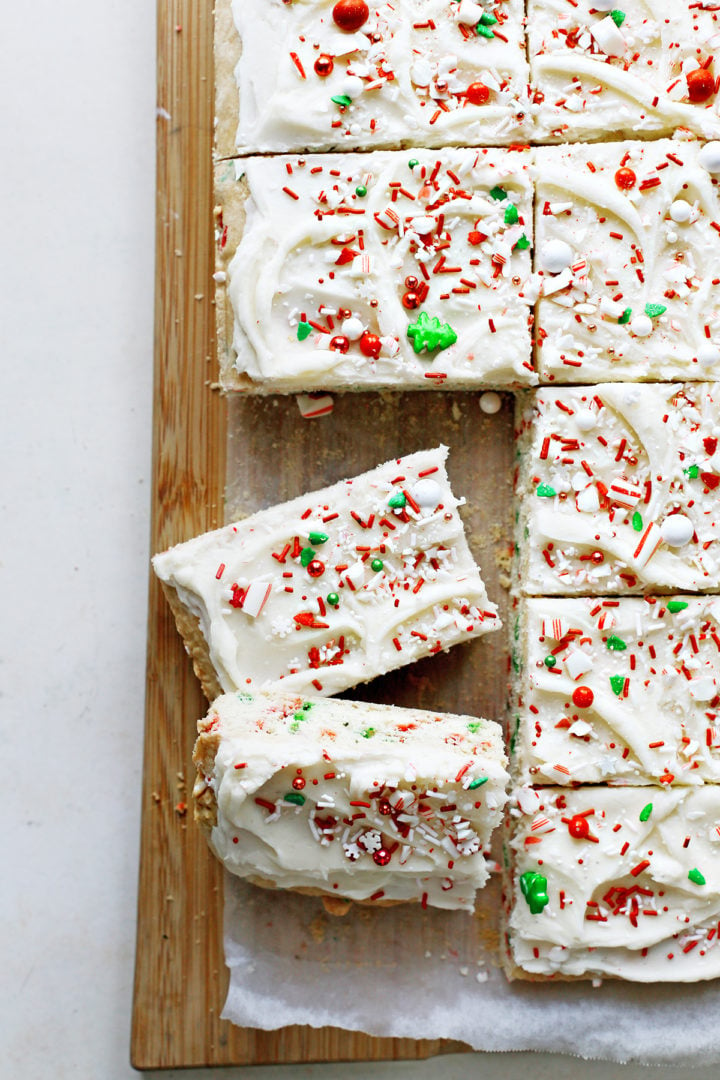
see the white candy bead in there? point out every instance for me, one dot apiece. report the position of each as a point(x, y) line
point(709, 157)
point(677, 530)
point(352, 86)
point(641, 325)
point(555, 256)
point(426, 492)
point(490, 402)
point(708, 354)
point(352, 328)
point(680, 211)
point(585, 419)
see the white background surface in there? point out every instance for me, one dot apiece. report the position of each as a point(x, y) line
point(77, 204)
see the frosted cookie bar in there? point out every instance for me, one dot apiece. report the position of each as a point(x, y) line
point(617, 489)
point(619, 882)
point(642, 70)
point(320, 75)
point(622, 691)
point(349, 800)
point(355, 271)
point(332, 588)
point(628, 246)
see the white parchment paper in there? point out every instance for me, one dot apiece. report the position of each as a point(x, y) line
point(402, 971)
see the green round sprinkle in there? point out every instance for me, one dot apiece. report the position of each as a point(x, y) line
point(377, 564)
point(625, 317)
point(498, 193)
point(413, 162)
point(550, 661)
point(361, 191)
point(534, 888)
point(478, 783)
point(306, 556)
point(653, 310)
point(316, 538)
point(304, 330)
point(397, 501)
point(511, 214)
point(674, 606)
point(342, 100)
point(646, 812)
point(617, 684)
point(637, 521)
point(545, 491)
point(333, 599)
point(617, 16)
point(523, 243)
point(294, 797)
point(696, 877)
point(693, 472)
point(615, 643)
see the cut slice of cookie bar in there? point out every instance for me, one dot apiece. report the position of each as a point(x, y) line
point(628, 246)
point(350, 800)
point(359, 271)
point(635, 71)
point(324, 75)
point(617, 489)
point(618, 882)
point(332, 588)
point(621, 691)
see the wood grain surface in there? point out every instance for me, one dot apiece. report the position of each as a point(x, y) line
point(180, 977)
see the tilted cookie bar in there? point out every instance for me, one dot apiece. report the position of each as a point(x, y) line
point(638, 71)
point(618, 882)
point(357, 271)
point(617, 489)
point(350, 800)
point(332, 588)
point(628, 246)
point(622, 691)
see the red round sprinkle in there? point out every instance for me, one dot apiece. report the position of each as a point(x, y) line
point(583, 697)
point(370, 344)
point(411, 300)
point(298, 783)
point(477, 93)
point(350, 15)
point(578, 827)
point(411, 282)
point(597, 557)
point(316, 568)
point(324, 65)
point(701, 85)
point(339, 344)
point(625, 179)
point(384, 807)
point(381, 857)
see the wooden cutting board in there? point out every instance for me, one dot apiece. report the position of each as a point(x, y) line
point(180, 976)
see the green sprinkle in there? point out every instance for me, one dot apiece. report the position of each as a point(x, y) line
point(306, 556)
point(342, 100)
point(523, 243)
point(487, 19)
point(693, 472)
point(516, 662)
point(653, 310)
point(617, 683)
point(397, 501)
point(513, 737)
point(646, 812)
point(376, 565)
point(429, 333)
point(534, 888)
point(333, 599)
point(550, 661)
point(318, 538)
point(304, 330)
point(637, 521)
point(299, 716)
point(696, 877)
point(484, 31)
point(618, 17)
point(674, 606)
point(516, 629)
point(474, 726)
point(615, 643)
point(368, 733)
point(545, 491)
point(413, 162)
point(294, 797)
point(243, 695)
point(477, 783)
point(307, 705)
point(511, 214)
point(498, 193)
point(625, 317)
point(361, 191)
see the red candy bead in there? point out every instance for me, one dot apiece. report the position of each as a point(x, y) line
point(370, 345)
point(597, 557)
point(298, 783)
point(625, 179)
point(315, 568)
point(578, 827)
point(381, 857)
point(701, 85)
point(324, 65)
point(350, 15)
point(411, 282)
point(411, 300)
point(583, 697)
point(477, 93)
point(384, 807)
point(339, 344)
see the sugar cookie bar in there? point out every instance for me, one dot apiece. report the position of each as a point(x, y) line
point(622, 691)
point(365, 271)
point(324, 75)
point(628, 246)
point(618, 882)
point(350, 800)
point(617, 489)
point(332, 588)
point(638, 71)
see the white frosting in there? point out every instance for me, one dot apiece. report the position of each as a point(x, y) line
point(319, 265)
point(653, 453)
point(361, 801)
point(285, 105)
point(406, 583)
point(595, 80)
point(627, 899)
point(653, 676)
point(656, 243)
